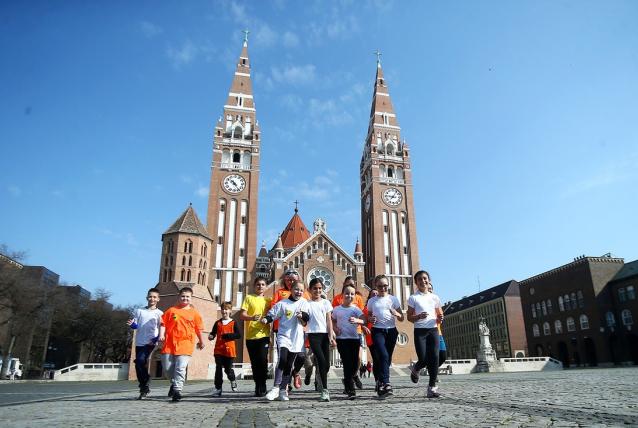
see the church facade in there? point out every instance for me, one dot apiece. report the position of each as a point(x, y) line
point(220, 260)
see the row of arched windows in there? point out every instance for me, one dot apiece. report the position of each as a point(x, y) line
point(565, 303)
point(625, 316)
point(558, 326)
point(237, 157)
point(390, 172)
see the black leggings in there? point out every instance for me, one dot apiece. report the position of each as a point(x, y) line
point(426, 342)
point(226, 363)
point(320, 345)
point(258, 353)
point(286, 362)
point(349, 351)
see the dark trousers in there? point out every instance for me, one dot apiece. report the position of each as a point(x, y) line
point(286, 362)
point(349, 351)
point(426, 342)
point(226, 363)
point(375, 359)
point(384, 339)
point(258, 353)
point(142, 353)
point(320, 345)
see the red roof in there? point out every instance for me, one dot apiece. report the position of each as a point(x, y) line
point(295, 233)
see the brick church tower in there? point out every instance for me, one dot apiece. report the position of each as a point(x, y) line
point(232, 202)
point(387, 209)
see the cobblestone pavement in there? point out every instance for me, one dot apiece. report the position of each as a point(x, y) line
point(588, 397)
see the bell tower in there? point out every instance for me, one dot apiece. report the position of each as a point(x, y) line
point(232, 201)
point(387, 209)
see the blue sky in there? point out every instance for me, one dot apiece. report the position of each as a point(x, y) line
point(521, 117)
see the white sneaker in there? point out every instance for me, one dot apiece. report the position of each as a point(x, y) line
point(233, 386)
point(273, 393)
point(433, 392)
point(283, 395)
point(217, 392)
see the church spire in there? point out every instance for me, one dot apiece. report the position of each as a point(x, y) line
point(382, 116)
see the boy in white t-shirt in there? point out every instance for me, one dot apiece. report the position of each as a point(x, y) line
point(424, 310)
point(146, 322)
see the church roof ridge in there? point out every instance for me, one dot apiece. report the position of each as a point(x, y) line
point(329, 239)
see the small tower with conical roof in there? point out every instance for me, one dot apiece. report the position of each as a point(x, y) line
point(358, 252)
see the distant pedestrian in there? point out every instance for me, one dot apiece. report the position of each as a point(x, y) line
point(181, 324)
point(146, 323)
point(225, 332)
point(424, 310)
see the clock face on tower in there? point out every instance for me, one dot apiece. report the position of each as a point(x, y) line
point(367, 203)
point(392, 196)
point(234, 183)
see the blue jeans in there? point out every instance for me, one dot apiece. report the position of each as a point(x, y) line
point(384, 339)
point(142, 353)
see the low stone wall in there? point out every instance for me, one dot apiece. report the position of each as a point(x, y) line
point(90, 371)
point(531, 364)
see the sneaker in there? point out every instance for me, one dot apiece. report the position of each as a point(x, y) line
point(171, 391)
point(233, 385)
point(297, 381)
point(217, 392)
point(352, 395)
point(325, 396)
point(414, 374)
point(357, 382)
point(385, 391)
point(177, 395)
point(433, 392)
point(283, 395)
point(308, 377)
point(143, 393)
point(273, 393)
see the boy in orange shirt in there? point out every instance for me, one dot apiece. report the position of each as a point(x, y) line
point(226, 331)
point(180, 325)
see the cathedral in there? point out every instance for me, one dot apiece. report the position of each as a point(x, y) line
point(219, 260)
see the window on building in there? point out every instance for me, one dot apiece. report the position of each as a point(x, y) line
point(538, 309)
point(571, 325)
point(385, 229)
point(581, 299)
point(236, 157)
point(631, 293)
point(561, 306)
point(188, 275)
point(220, 240)
point(546, 329)
point(165, 275)
point(574, 301)
point(567, 303)
point(222, 207)
point(183, 260)
point(535, 330)
point(544, 308)
point(243, 219)
point(186, 247)
point(558, 327)
point(584, 322)
point(201, 263)
point(165, 260)
point(405, 249)
point(621, 295)
point(241, 252)
point(627, 319)
point(218, 274)
point(387, 259)
point(182, 276)
point(190, 260)
point(549, 306)
point(533, 310)
point(611, 319)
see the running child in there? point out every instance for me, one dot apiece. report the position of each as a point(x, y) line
point(146, 322)
point(226, 331)
point(320, 334)
point(347, 317)
point(383, 311)
point(253, 309)
point(180, 325)
point(424, 310)
point(292, 314)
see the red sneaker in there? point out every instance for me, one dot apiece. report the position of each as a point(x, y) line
point(297, 381)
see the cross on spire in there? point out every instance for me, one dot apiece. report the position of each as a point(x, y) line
point(296, 206)
point(245, 35)
point(378, 54)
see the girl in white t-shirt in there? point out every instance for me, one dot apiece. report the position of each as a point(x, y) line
point(320, 334)
point(383, 311)
point(424, 310)
point(346, 318)
point(292, 314)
